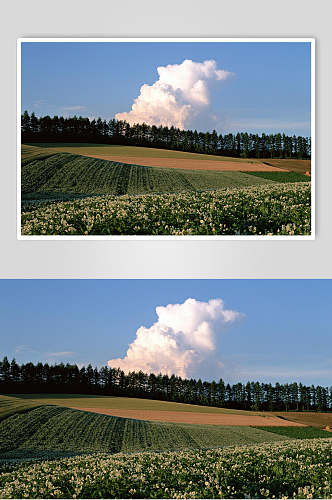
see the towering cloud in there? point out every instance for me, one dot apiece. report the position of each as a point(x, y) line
point(179, 95)
point(181, 339)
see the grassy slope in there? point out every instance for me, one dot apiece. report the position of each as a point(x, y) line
point(297, 432)
point(110, 149)
point(313, 419)
point(122, 403)
point(300, 166)
point(29, 153)
point(10, 406)
point(67, 173)
point(281, 176)
point(50, 429)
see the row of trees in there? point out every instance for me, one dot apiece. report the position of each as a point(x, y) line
point(69, 378)
point(79, 129)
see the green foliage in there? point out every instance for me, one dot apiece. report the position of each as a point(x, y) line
point(281, 176)
point(64, 173)
point(297, 432)
point(30, 153)
point(59, 429)
point(274, 209)
point(292, 469)
point(10, 406)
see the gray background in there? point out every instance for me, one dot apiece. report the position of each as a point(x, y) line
point(165, 259)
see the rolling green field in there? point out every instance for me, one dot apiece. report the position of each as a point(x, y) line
point(10, 406)
point(65, 173)
point(281, 176)
point(30, 153)
point(64, 193)
point(48, 430)
point(50, 451)
point(297, 432)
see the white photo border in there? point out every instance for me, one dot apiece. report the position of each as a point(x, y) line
point(312, 236)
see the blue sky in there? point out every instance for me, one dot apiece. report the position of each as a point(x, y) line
point(269, 90)
point(283, 335)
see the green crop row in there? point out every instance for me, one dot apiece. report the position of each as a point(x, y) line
point(73, 174)
point(10, 406)
point(281, 176)
point(289, 469)
point(297, 432)
point(58, 429)
point(273, 209)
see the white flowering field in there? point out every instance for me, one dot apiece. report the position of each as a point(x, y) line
point(271, 209)
point(288, 469)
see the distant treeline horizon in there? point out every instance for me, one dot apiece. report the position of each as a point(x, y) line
point(239, 145)
point(70, 379)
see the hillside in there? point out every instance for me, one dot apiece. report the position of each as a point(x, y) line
point(124, 403)
point(65, 173)
point(10, 406)
point(117, 150)
point(55, 430)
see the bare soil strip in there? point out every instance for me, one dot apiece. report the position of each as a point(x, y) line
point(314, 419)
point(195, 418)
point(186, 164)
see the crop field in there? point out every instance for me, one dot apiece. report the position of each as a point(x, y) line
point(67, 173)
point(314, 419)
point(122, 403)
point(109, 403)
point(130, 151)
point(204, 165)
point(281, 176)
point(289, 469)
point(10, 405)
point(197, 418)
point(299, 166)
point(30, 153)
point(52, 451)
point(48, 430)
point(296, 432)
point(107, 150)
point(66, 193)
point(276, 209)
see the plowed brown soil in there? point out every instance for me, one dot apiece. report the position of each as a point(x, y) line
point(195, 418)
point(291, 165)
point(186, 164)
point(314, 419)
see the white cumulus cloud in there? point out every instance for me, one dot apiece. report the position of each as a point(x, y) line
point(182, 338)
point(179, 95)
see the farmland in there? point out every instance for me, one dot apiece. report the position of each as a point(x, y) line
point(66, 173)
point(289, 469)
point(71, 189)
point(131, 151)
point(52, 451)
point(109, 403)
point(63, 430)
point(277, 209)
point(106, 151)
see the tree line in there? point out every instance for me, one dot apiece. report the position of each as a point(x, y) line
point(61, 378)
point(242, 144)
